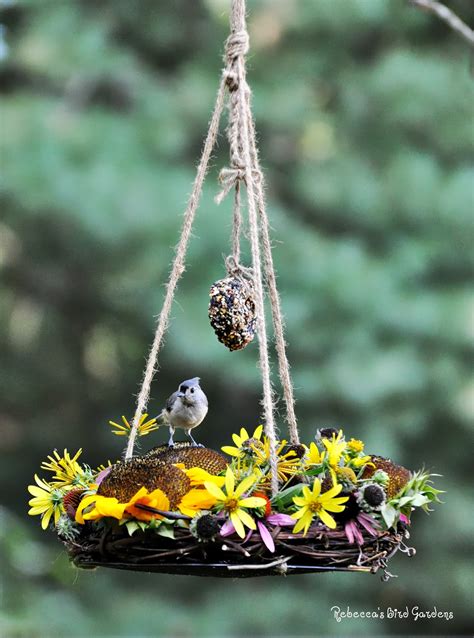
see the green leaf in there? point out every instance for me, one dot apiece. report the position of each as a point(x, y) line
point(389, 514)
point(132, 527)
point(166, 531)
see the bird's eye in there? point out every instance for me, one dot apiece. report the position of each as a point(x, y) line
point(192, 390)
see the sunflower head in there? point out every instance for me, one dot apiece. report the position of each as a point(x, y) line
point(126, 477)
point(190, 456)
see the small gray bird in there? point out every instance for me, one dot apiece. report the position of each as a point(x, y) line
point(185, 408)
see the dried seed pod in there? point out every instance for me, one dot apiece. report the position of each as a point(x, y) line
point(232, 312)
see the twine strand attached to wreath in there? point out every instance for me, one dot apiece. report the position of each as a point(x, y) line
point(178, 267)
point(270, 275)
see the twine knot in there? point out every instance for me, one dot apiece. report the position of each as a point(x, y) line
point(228, 177)
point(237, 45)
point(236, 269)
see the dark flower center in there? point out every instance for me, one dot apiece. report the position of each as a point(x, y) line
point(207, 526)
point(374, 495)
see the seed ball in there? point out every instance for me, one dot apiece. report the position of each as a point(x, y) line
point(232, 312)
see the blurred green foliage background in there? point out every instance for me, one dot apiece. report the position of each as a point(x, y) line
point(364, 111)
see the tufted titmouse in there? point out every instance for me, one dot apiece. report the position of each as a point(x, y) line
point(185, 408)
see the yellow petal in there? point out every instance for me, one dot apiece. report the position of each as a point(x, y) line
point(258, 432)
point(244, 486)
point(237, 523)
point(229, 481)
point(46, 518)
point(231, 451)
point(331, 492)
point(304, 522)
point(316, 488)
point(246, 519)
point(215, 491)
point(327, 519)
point(252, 501)
point(299, 513)
point(299, 500)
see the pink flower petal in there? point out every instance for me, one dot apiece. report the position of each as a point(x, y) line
point(101, 475)
point(266, 536)
point(404, 519)
point(368, 523)
point(349, 533)
point(284, 520)
point(228, 528)
point(358, 536)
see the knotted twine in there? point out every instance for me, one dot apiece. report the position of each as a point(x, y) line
point(245, 167)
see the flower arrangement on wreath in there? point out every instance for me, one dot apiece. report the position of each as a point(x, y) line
point(330, 484)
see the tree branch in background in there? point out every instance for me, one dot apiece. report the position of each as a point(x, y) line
point(447, 16)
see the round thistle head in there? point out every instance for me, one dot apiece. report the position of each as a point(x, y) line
point(371, 497)
point(232, 312)
point(398, 476)
point(204, 526)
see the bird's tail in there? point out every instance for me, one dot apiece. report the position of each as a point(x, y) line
point(162, 418)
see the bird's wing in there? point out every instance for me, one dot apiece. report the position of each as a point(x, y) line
point(170, 401)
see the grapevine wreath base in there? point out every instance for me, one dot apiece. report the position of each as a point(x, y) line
point(323, 552)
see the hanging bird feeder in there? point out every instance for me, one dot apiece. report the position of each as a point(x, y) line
point(266, 506)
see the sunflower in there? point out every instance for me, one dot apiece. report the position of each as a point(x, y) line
point(66, 470)
point(47, 500)
point(244, 443)
point(313, 503)
point(233, 504)
point(144, 426)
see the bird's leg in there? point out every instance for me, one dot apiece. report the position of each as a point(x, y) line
point(171, 442)
point(194, 442)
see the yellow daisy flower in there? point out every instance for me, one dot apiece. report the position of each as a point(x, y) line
point(243, 442)
point(335, 447)
point(313, 503)
point(231, 500)
point(47, 500)
point(66, 470)
point(144, 426)
point(288, 463)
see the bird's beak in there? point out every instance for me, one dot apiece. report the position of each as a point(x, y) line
point(181, 394)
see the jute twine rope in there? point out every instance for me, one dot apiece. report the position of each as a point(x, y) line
point(177, 268)
point(244, 167)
